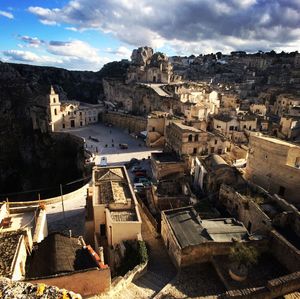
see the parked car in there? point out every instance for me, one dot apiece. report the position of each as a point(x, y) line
point(123, 146)
point(103, 161)
point(93, 139)
point(138, 187)
point(145, 181)
point(136, 168)
point(140, 173)
point(132, 162)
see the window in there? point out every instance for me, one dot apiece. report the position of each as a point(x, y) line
point(281, 191)
point(195, 150)
point(250, 127)
point(190, 137)
point(245, 126)
point(54, 100)
point(55, 111)
point(81, 124)
point(153, 129)
point(68, 112)
point(196, 137)
point(231, 128)
point(216, 141)
point(212, 150)
point(297, 162)
point(63, 126)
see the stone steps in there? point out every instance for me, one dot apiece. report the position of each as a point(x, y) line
point(151, 282)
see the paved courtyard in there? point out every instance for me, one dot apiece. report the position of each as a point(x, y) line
point(74, 209)
point(112, 137)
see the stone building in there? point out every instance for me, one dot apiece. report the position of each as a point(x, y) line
point(166, 164)
point(190, 240)
point(259, 109)
point(213, 171)
point(231, 126)
point(150, 67)
point(186, 140)
point(71, 114)
point(116, 216)
point(290, 127)
point(285, 102)
point(275, 165)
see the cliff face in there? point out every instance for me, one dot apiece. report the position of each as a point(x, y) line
point(33, 158)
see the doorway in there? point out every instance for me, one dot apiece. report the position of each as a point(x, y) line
point(72, 123)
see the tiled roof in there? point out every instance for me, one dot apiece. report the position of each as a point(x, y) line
point(8, 246)
point(58, 254)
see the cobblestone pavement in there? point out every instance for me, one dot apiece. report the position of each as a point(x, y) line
point(112, 137)
point(196, 281)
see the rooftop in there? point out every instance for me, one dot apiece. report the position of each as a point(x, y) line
point(112, 185)
point(224, 118)
point(274, 140)
point(123, 216)
point(59, 254)
point(8, 246)
point(189, 229)
point(187, 128)
point(165, 157)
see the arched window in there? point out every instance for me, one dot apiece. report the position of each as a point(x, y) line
point(190, 137)
point(196, 137)
point(54, 100)
point(55, 111)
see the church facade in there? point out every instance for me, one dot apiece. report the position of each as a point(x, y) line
point(71, 114)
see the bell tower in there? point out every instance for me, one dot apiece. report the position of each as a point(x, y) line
point(55, 112)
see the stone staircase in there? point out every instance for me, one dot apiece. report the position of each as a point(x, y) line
point(150, 284)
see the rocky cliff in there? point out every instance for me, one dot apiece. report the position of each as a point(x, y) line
point(31, 157)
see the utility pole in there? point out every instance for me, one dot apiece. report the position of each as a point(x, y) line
point(62, 201)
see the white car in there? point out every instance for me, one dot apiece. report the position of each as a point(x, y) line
point(103, 161)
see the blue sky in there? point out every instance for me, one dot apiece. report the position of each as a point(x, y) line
point(85, 34)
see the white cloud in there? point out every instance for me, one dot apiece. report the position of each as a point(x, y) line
point(75, 54)
point(27, 56)
point(162, 23)
point(6, 14)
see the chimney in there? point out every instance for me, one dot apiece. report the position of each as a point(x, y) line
point(101, 255)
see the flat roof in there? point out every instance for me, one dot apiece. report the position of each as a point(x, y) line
point(187, 128)
point(123, 216)
point(275, 140)
point(112, 185)
point(189, 229)
point(165, 157)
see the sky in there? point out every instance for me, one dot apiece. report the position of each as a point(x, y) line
point(86, 34)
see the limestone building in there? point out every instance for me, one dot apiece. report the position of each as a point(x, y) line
point(275, 165)
point(186, 140)
point(116, 215)
point(285, 102)
point(150, 67)
point(71, 114)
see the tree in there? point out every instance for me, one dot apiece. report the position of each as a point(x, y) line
point(243, 255)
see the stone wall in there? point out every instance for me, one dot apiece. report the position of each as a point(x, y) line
point(284, 251)
point(129, 122)
point(244, 210)
point(87, 283)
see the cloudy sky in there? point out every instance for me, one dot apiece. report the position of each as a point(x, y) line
point(85, 34)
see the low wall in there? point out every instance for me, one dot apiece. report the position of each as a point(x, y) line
point(122, 282)
point(87, 283)
point(132, 123)
point(35, 203)
point(284, 251)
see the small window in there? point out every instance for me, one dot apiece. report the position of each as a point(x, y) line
point(54, 100)
point(231, 128)
point(216, 141)
point(63, 126)
point(153, 129)
point(195, 150)
point(68, 112)
point(190, 137)
point(196, 137)
point(281, 191)
point(55, 111)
